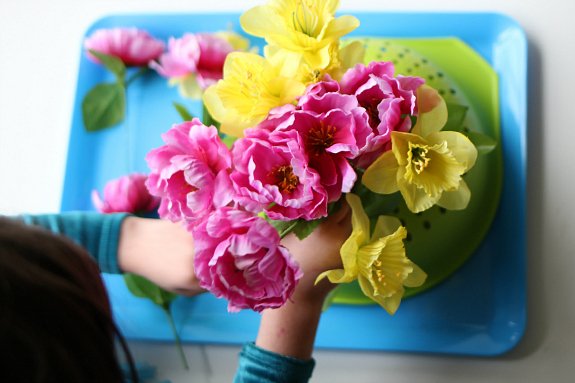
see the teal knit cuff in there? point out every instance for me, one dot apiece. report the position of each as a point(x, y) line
point(259, 365)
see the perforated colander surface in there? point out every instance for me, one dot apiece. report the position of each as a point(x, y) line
point(440, 241)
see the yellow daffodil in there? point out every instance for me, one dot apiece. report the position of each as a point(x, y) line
point(378, 261)
point(237, 41)
point(298, 31)
point(341, 59)
point(249, 89)
point(426, 165)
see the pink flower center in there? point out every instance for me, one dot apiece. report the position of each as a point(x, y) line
point(319, 138)
point(180, 186)
point(284, 179)
point(373, 113)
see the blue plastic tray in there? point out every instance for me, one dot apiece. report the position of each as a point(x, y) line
point(479, 310)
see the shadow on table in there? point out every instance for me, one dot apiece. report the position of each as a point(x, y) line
point(537, 317)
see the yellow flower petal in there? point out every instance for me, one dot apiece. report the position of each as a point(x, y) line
point(384, 270)
point(289, 62)
point(381, 176)
point(187, 86)
point(359, 220)
point(340, 60)
point(432, 111)
point(304, 28)
point(457, 199)
point(385, 226)
point(336, 276)
point(251, 87)
point(460, 146)
point(348, 252)
point(238, 42)
point(350, 55)
point(349, 249)
point(389, 303)
point(262, 20)
point(215, 106)
point(416, 199)
point(341, 26)
point(416, 278)
point(318, 59)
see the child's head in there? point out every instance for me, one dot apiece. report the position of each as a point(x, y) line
point(55, 318)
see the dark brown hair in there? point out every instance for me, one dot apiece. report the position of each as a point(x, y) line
point(55, 318)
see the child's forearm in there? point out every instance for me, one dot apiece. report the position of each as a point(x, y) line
point(161, 251)
point(290, 330)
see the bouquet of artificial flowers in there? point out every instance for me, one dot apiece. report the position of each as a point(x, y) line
point(287, 136)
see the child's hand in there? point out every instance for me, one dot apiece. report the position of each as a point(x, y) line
point(161, 251)
point(319, 252)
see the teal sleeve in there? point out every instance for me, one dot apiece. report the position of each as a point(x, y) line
point(257, 365)
point(98, 233)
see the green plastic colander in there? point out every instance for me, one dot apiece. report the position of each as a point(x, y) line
point(440, 241)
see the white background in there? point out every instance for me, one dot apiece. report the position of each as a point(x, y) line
point(39, 43)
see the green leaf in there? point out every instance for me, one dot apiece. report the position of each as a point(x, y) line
point(305, 228)
point(328, 301)
point(300, 227)
point(228, 140)
point(455, 116)
point(183, 111)
point(207, 118)
point(143, 288)
point(483, 143)
point(104, 106)
point(112, 63)
point(375, 204)
point(283, 227)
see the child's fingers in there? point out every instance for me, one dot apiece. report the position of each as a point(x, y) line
point(341, 215)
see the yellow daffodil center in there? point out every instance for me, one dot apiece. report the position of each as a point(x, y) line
point(432, 168)
point(417, 157)
point(379, 275)
point(304, 18)
point(284, 178)
point(383, 263)
point(319, 138)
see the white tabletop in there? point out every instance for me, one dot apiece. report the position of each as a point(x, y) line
point(39, 42)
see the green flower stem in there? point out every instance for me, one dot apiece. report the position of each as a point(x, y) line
point(207, 118)
point(288, 229)
point(139, 73)
point(166, 309)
